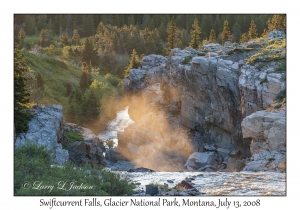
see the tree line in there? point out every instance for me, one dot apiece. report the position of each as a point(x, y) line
point(101, 48)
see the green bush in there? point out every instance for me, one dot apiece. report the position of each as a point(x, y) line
point(263, 81)
point(187, 59)
point(281, 68)
point(35, 176)
point(281, 96)
point(73, 136)
point(114, 81)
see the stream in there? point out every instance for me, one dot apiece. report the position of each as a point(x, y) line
point(210, 183)
point(121, 122)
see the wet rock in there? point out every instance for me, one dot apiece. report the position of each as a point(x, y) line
point(121, 165)
point(184, 185)
point(151, 190)
point(112, 155)
point(200, 159)
point(87, 152)
point(140, 170)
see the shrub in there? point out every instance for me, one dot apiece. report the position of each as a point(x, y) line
point(73, 136)
point(51, 50)
point(281, 96)
point(187, 59)
point(281, 68)
point(32, 167)
point(114, 81)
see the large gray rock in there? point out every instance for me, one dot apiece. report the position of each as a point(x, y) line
point(46, 129)
point(87, 152)
point(268, 133)
point(207, 95)
point(275, 34)
point(201, 160)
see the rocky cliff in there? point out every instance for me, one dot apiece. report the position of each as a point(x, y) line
point(195, 102)
point(47, 128)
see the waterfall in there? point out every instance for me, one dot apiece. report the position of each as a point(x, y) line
point(121, 122)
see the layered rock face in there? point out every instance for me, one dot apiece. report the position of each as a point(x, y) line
point(268, 148)
point(46, 129)
point(259, 88)
point(206, 94)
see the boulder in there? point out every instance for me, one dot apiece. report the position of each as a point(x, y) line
point(276, 33)
point(113, 155)
point(200, 159)
point(253, 45)
point(268, 146)
point(46, 129)
point(87, 152)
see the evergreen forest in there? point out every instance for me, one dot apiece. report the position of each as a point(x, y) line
point(80, 60)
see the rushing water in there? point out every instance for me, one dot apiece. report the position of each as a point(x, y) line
point(118, 124)
point(210, 183)
point(219, 183)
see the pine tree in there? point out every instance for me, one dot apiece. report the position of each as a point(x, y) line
point(21, 94)
point(244, 38)
point(21, 36)
point(88, 52)
point(212, 37)
point(85, 79)
point(75, 37)
point(43, 39)
point(64, 39)
point(172, 36)
point(252, 34)
point(278, 22)
point(133, 63)
point(92, 111)
point(46, 38)
point(264, 34)
point(30, 25)
point(236, 32)
point(195, 34)
point(225, 33)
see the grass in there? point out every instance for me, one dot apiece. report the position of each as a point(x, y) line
point(73, 136)
point(32, 168)
point(269, 53)
point(282, 67)
point(57, 74)
point(238, 51)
